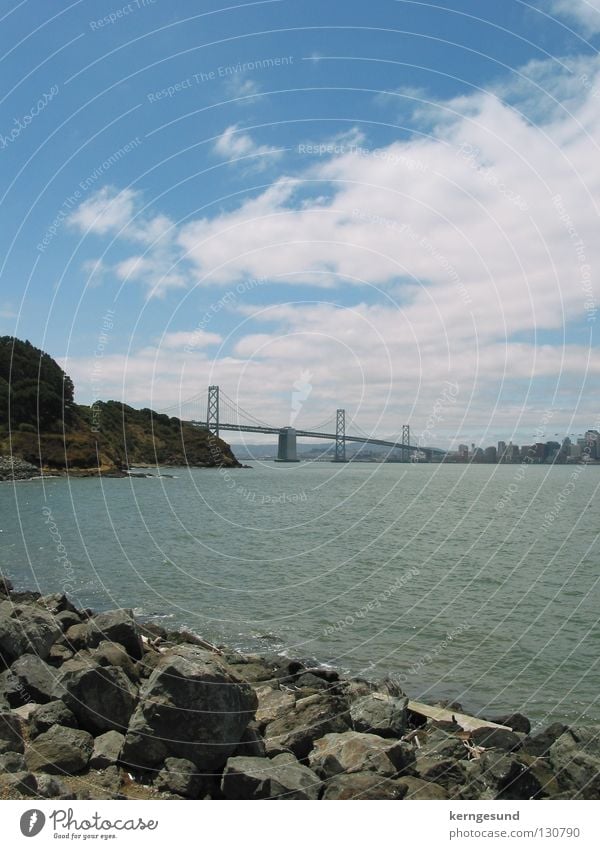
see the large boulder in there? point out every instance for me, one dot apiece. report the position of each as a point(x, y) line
point(111, 654)
point(11, 733)
point(60, 750)
point(272, 703)
point(495, 738)
point(363, 785)
point(380, 714)
point(56, 603)
point(116, 626)
point(26, 629)
point(193, 707)
point(52, 713)
point(181, 777)
point(28, 679)
point(439, 770)
point(281, 777)
point(107, 748)
point(101, 697)
point(575, 760)
point(352, 751)
point(501, 775)
point(515, 721)
point(308, 720)
point(540, 744)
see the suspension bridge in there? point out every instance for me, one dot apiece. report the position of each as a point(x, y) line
point(217, 412)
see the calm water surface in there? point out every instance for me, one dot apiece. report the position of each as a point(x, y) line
point(448, 578)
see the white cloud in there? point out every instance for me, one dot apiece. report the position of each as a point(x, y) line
point(453, 249)
point(242, 89)
point(234, 143)
point(190, 339)
point(106, 212)
point(584, 12)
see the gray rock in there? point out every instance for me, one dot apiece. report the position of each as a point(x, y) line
point(501, 775)
point(363, 785)
point(55, 604)
point(11, 733)
point(576, 764)
point(281, 777)
point(58, 655)
point(435, 769)
point(418, 789)
point(323, 672)
point(16, 469)
point(76, 636)
point(495, 738)
point(105, 783)
point(25, 629)
point(516, 721)
point(309, 719)
point(252, 743)
point(192, 706)
point(116, 626)
point(181, 777)
point(440, 744)
point(107, 748)
point(101, 698)
point(67, 618)
point(6, 586)
point(540, 744)
point(28, 679)
point(309, 681)
point(352, 751)
point(273, 703)
point(380, 714)
point(50, 787)
point(60, 750)
point(12, 762)
point(52, 713)
point(20, 782)
point(111, 654)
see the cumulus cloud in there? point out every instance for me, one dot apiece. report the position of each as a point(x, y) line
point(454, 251)
point(583, 12)
point(234, 143)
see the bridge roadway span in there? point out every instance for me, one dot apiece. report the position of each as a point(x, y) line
point(315, 434)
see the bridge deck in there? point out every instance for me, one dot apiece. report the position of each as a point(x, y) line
point(315, 434)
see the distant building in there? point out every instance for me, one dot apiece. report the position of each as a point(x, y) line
point(491, 455)
point(463, 452)
point(501, 450)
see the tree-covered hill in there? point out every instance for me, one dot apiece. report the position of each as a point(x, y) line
point(40, 422)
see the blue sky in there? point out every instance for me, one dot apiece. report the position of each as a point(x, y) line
point(369, 201)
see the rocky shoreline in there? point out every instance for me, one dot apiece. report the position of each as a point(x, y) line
point(17, 469)
point(100, 706)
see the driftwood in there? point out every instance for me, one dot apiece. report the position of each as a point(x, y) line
point(440, 714)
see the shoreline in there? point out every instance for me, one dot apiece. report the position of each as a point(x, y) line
point(80, 696)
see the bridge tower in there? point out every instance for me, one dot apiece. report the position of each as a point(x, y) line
point(212, 410)
point(286, 450)
point(340, 437)
point(405, 443)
